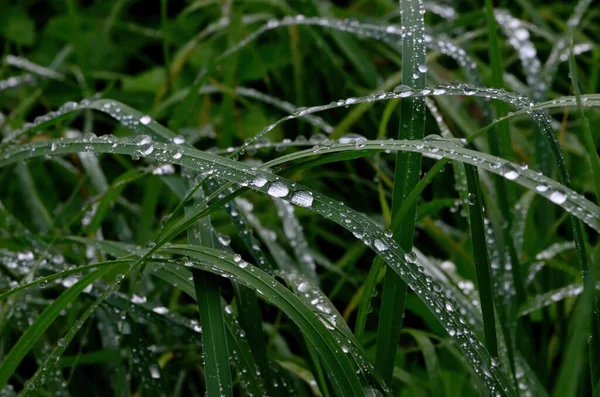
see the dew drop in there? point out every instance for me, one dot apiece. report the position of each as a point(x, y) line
point(540, 187)
point(259, 181)
point(471, 199)
point(145, 119)
point(410, 257)
point(303, 286)
point(509, 171)
point(278, 189)
point(302, 199)
point(558, 196)
point(380, 245)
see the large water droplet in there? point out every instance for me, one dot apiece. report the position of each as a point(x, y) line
point(509, 171)
point(145, 119)
point(410, 257)
point(558, 196)
point(259, 181)
point(380, 245)
point(303, 286)
point(278, 189)
point(302, 199)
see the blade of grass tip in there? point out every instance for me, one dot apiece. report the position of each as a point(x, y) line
point(217, 373)
point(406, 176)
point(594, 343)
point(481, 259)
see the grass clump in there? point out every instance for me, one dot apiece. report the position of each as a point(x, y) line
point(281, 198)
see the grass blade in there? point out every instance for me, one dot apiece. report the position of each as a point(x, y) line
point(406, 176)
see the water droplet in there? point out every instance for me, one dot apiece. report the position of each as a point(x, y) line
point(402, 88)
point(410, 257)
point(509, 171)
point(154, 371)
point(177, 155)
point(224, 239)
point(259, 181)
point(471, 199)
point(302, 199)
point(237, 257)
point(380, 245)
point(303, 286)
point(423, 68)
point(558, 196)
point(178, 140)
point(145, 119)
point(541, 187)
point(278, 189)
point(228, 309)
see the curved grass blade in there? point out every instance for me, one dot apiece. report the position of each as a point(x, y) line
point(265, 182)
point(316, 328)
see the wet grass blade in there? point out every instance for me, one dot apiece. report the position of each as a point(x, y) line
point(217, 374)
point(406, 176)
point(481, 259)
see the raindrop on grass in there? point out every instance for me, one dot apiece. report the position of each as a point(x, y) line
point(302, 199)
point(303, 286)
point(471, 199)
point(259, 181)
point(509, 171)
point(541, 187)
point(410, 257)
point(558, 196)
point(145, 119)
point(278, 189)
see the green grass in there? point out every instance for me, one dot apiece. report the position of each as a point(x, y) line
point(268, 197)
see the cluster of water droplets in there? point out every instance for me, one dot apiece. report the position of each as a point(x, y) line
point(562, 43)
point(25, 64)
point(518, 38)
point(294, 232)
point(17, 81)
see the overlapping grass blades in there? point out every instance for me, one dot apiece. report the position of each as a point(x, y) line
point(337, 361)
point(242, 174)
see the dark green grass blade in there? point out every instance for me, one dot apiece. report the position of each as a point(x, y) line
point(217, 374)
point(481, 259)
point(406, 176)
point(594, 322)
